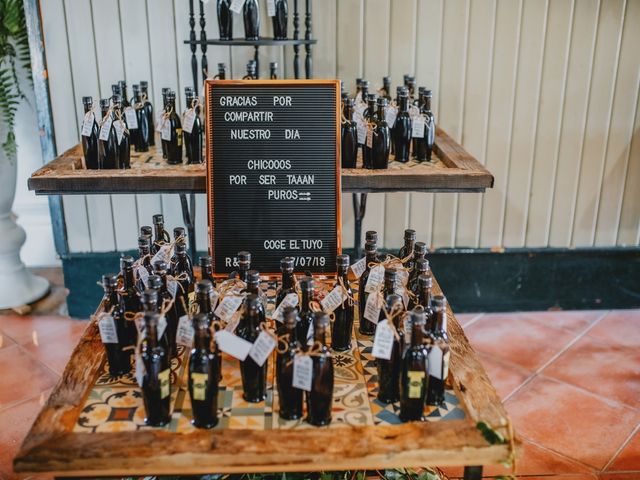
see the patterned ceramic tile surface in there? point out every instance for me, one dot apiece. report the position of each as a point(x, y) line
point(116, 404)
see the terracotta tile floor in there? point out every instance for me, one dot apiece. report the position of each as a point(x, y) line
point(570, 380)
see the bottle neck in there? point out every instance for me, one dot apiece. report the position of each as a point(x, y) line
point(152, 336)
point(111, 296)
point(204, 302)
point(287, 280)
point(408, 245)
point(104, 111)
point(389, 286)
point(380, 113)
point(425, 297)
point(253, 288)
point(306, 298)
point(427, 103)
point(87, 107)
point(404, 104)
point(150, 307)
point(242, 271)
point(416, 335)
point(202, 339)
point(343, 272)
point(207, 272)
point(371, 257)
point(143, 251)
point(440, 323)
point(128, 278)
point(319, 335)
point(158, 230)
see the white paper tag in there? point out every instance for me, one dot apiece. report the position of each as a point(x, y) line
point(163, 254)
point(390, 115)
point(359, 267)
point(302, 372)
point(310, 334)
point(172, 287)
point(417, 128)
point(290, 300)
point(233, 345)
point(233, 323)
point(162, 326)
point(105, 129)
point(372, 308)
point(376, 277)
point(228, 307)
point(445, 364)
point(370, 137)
point(160, 122)
point(165, 132)
point(185, 333)
point(87, 124)
point(262, 348)
point(131, 118)
point(236, 6)
point(358, 98)
point(405, 296)
point(119, 127)
point(107, 327)
point(362, 132)
point(435, 362)
point(143, 274)
point(402, 277)
point(271, 8)
point(140, 370)
point(407, 333)
point(334, 299)
point(383, 341)
point(187, 121)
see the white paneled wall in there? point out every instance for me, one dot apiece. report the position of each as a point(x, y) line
point(543, 92)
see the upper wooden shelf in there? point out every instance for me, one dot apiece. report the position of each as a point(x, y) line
point(454, 170)
point(261, 42)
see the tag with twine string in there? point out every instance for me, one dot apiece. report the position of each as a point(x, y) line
point(105, 125)
point(266, 342)
point(87, 123)
point(189, 116)
point(131, 118)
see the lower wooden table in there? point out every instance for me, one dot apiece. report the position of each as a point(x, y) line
point(93, 425)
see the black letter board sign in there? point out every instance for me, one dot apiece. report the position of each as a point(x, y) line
point(273, 174)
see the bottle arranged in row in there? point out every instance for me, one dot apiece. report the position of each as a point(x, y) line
point(278, 10)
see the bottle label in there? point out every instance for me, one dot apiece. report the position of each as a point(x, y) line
point(271, 8)
point(369, 137)
point(402, 291)
point(334, 299)
point(165, 129)
point(199, 384)
point(236, 6)
point(140, 370)
point(131, 118)
point(362, 131)
point(228, 307)
point(163, 254)
point(162, 326)
point(107, 327)
point(408, 332)
point(160, 123)
point(376, 278)
point(142, 274)
point(435, 362)
point(290, 300)
point(445, 364)
point(359, 267)
point(416, 385)
point(164, 377)
point(87, 124)
point(417, 128)
point(383, 341)
point(172, 287)
point(105, 129)
point(119, 128)
point(262, 348)
point(185, 333)
point(188, 120)
point(302, 372)
point(402, 278)
point(179, 136)
point(372, 308)
point(233, 345)
point(390, 115)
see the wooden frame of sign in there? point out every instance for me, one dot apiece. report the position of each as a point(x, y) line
point(273, 173)
point(52, 446)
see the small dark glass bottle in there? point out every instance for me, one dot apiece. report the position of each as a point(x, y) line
point(160, 235)
point(130, 298)
point(150, 304)
point(358, 86)
point(148, 112)
point(425, 283)
point(364, 90)
point(386, 88)
point(204, 376)
point(420, 267)
point(413, 383)
point(254, 377)
point(156, 382)
point(381, 138)
point(402, 129)
point(290, 398)
point(161, 269)
point(124, 94)
point(180, 236)
point(342, 328)
point(124, 144)
point(390, 279)
point(182, 270)
point(222, 72)
point(108, 148)
point(288, 283)
point(349, 144)
point(118, 359)
point(371, 118)
point(407, 248)
point(438, 353)
point(411, 87)
point(251, 16)
point(90, 135)
point(140, 136)
point(320, 398)
point(430, 124)
point(165, 112)
point(174, 143)
point(280, 20)
point(193, 139)
point(146, 230)
point(203, 293)
point(253, 287)
point(273, 70)
point(389, 370)
point(419, 251)
point(188, 94)
point(244, 265)
point(225, 19)
point(144, 252)
point(366, 327)
point(206, 269)
point(306, 315)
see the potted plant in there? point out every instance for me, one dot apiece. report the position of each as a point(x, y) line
point(17, 285)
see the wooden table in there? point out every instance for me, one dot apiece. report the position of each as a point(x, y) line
point(53, 446)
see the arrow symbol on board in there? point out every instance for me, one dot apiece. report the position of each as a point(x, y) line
point(305, 199)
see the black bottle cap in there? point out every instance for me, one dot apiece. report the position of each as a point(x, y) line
point(421, 90)
point(116, 100)
point(181, 247)
point(203, 286)
point(160, 266)
point(143, 241)
point(358, 82)
point(146, 230)
point(122, 84)
point(386, 80)
point(439, 302)
point(135, 87)
point(409, 234)
point(306, 284)
point(158, 218)
point(179, 232)
point(150, 295)
point(171, 96)
point(104, 103)
point(371, 97)
point(425, 281)
point(273, 65)
point(390, 274)
point(200, 322)
point(350, 102)
point(144, 84)
point(427, 93)
point(154, 282)
point(287, 264)
point(109, 280)
point(126, 261)
point(320, 321)
point(364, 83)
point(417, 316)
point(115, 89)
point(205, 261)
point(244, 257)
point(422, 265)
point(370, 247)
point(253, 276)
point(290, 317)
point(166, 90)
point(371, 236)
point(188, 89)
point(87, 100)
point(405, 77)
point(342, 260)
point(382, 102)
point(404, 93)
point(222, 66)
point(420, 248)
